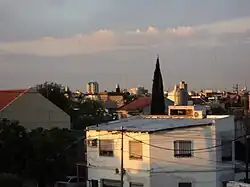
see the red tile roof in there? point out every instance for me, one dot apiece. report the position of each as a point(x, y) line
point(7, 96)
point(139, 103)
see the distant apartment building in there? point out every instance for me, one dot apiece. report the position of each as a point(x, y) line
point(92, 88)
point(140, 90)
point(179, 95)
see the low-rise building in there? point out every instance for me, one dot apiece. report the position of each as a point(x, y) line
point(168, 150)
point(139, 106)
point(31, 109)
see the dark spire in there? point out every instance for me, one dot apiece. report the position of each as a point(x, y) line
point(158, 100)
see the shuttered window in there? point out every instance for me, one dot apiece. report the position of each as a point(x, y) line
point(106, 148)
point(185, 184)
point(183, 148)
point(226, 150)
point(135, 150)
point(133, 184)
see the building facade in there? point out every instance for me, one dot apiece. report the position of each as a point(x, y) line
point(32, 110)
point(173, 151)
point(179, 95)
point(92, 88)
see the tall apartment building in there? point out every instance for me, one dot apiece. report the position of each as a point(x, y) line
point(92, 88)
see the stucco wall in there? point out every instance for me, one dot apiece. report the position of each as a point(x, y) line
point(199, 169)
point(159, 167)
point(32, 110)
point(104, 167)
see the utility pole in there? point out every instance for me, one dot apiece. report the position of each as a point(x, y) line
point(122, 173)
point(246, 136)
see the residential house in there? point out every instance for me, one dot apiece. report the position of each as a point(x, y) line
point(140, 106)
point(31, 109)
point(168, 150)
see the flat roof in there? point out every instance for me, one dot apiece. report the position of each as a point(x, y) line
point(152, 123)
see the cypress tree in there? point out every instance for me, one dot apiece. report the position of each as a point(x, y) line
point(158, 100)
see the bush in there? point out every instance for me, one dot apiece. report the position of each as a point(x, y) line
point(10, 180)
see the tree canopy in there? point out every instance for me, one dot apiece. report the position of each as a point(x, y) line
point(83, 111)
point(158, 99)
point(39, 155)
point(57, 94)
point(10, 180)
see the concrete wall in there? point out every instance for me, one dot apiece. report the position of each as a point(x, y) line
point(159, 167)
point(32, 110)
point(199, 169)
point(102, 167)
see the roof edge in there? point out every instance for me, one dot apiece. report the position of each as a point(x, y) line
point(25, 91)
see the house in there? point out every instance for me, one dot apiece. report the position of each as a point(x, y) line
point(141, 105)
point(31, 109)
point(168, 150)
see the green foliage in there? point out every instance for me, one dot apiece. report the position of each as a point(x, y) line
point(56, 94)
point(127, 98)
point(158, 99)
point(10, 180)
point(49, 160)
point(14, 147)
point(83, 111)
point(41, 155)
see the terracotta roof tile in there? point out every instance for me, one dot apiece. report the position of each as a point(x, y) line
point(7, 96)
point(139, 103)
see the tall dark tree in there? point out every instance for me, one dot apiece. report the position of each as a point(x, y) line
point(158, 100)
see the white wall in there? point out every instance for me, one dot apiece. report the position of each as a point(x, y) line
point(202, 166)
point(159, 167)
point(136, 170)
point(32, 110)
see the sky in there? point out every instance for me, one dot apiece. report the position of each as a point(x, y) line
point(71, 42)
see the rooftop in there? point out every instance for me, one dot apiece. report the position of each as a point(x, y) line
point(8, 96)
point(154, 123)
point(136, 104)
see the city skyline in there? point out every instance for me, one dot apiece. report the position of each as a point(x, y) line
point(73, 42)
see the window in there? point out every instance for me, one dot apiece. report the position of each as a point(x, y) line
point(92, 143)
point(135, 150)
point(73, 180)
point(185, 184)
point(106, 148)
point(133, 184)
point(94, 183)
point(226, 150)
point(183, 148)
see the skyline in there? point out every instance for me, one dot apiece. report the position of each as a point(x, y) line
point(73, 42)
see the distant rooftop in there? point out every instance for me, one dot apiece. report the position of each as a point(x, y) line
point(154, 123)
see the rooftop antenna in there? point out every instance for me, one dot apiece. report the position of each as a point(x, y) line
point(245, 84)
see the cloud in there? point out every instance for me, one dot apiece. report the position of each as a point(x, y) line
point(215, 34)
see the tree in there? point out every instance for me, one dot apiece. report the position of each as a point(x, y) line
point(158, 100)
point(49, 161)
point(57, 94)
point(15, 147)
point(127, 97)
point(10, 180)
point(87, 112)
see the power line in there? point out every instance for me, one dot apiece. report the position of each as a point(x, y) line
point(212, 147)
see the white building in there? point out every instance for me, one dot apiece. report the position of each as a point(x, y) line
point(173, 151)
